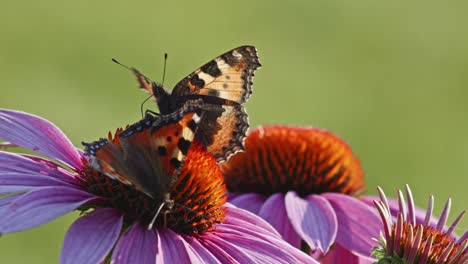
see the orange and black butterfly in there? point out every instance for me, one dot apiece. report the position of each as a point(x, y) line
point(149, 154)
point(222, 85)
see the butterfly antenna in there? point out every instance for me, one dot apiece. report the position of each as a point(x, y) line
point(164, 68)
point(131, 69)
point(123, 65)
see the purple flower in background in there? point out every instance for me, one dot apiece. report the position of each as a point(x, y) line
point(304, 182)
point(37, 190)
point(407, 240)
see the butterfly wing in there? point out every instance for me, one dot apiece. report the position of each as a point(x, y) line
point(222, 84)
point(228, 76)
point(224, 129)
point(149, 154)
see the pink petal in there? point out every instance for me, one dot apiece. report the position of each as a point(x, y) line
point(91, 237)
point(5, 202)
point(339, 254)
point(237, 217)
point(358, 223)
point(220, 253)
point(27, 164)
point(313, 219)
point(137, 245)
point(215, 250)
point(41, 206)
point(198, 253)
point(171, 247)
point(230, 234)
point(247, 249)
point(39, 135)
point(18, 182)
point(251, 201)
point(274, 212)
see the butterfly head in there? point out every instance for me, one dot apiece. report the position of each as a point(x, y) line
point(165, 101)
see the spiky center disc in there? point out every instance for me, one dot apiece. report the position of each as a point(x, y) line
point(282, 159)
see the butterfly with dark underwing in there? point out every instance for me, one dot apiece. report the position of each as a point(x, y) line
point(149, 154)
point(223, 85)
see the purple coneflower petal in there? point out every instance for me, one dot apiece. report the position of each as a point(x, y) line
point(251, 202)
point(137, 245)
point(198, 253)
point(41, 206)
point(170, 245)
point(5, 202)
point(313, 219)
point(224, 255)
point(274, 212)
point(218, 252)
point(239, 218)
point(230, 234)
point(357, 223)
point(91, 237)
point(37, 134)
point(19, 182)
point(341, 255)
point(247, 249)
point(26, 164)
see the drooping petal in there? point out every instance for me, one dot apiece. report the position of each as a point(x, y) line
point(91, 237)
point(5, 202)
point(251, 201)
point(198, 253)
point(313, 219)
point(41, 206)
point(137, 245)
point(340, 255)
point(39, 135)
point(237, 217)
point(19, 182)
point(27, 164)
point(358, 223)
point(247, 249)
point(274, 212)
point(171, 247)
point(251, 233)
point(221, 254)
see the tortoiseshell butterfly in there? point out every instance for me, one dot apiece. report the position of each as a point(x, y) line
point(223, 85)
point(149, 154)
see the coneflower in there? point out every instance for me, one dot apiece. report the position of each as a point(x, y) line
point(305, 182)
point(404, 240)
point(200, 227)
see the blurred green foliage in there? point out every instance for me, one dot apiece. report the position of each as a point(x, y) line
point(389, 77)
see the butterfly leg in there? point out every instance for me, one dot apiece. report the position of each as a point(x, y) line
point(151, 113)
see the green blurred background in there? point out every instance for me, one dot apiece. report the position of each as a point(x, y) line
point(389, 77)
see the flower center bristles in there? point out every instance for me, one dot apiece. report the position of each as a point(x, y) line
point(198, 195)
point(420, 244)
point(306, 160)
point(407, 241)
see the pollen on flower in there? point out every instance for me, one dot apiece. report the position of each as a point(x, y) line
point(198, 194)
point(306, 160)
